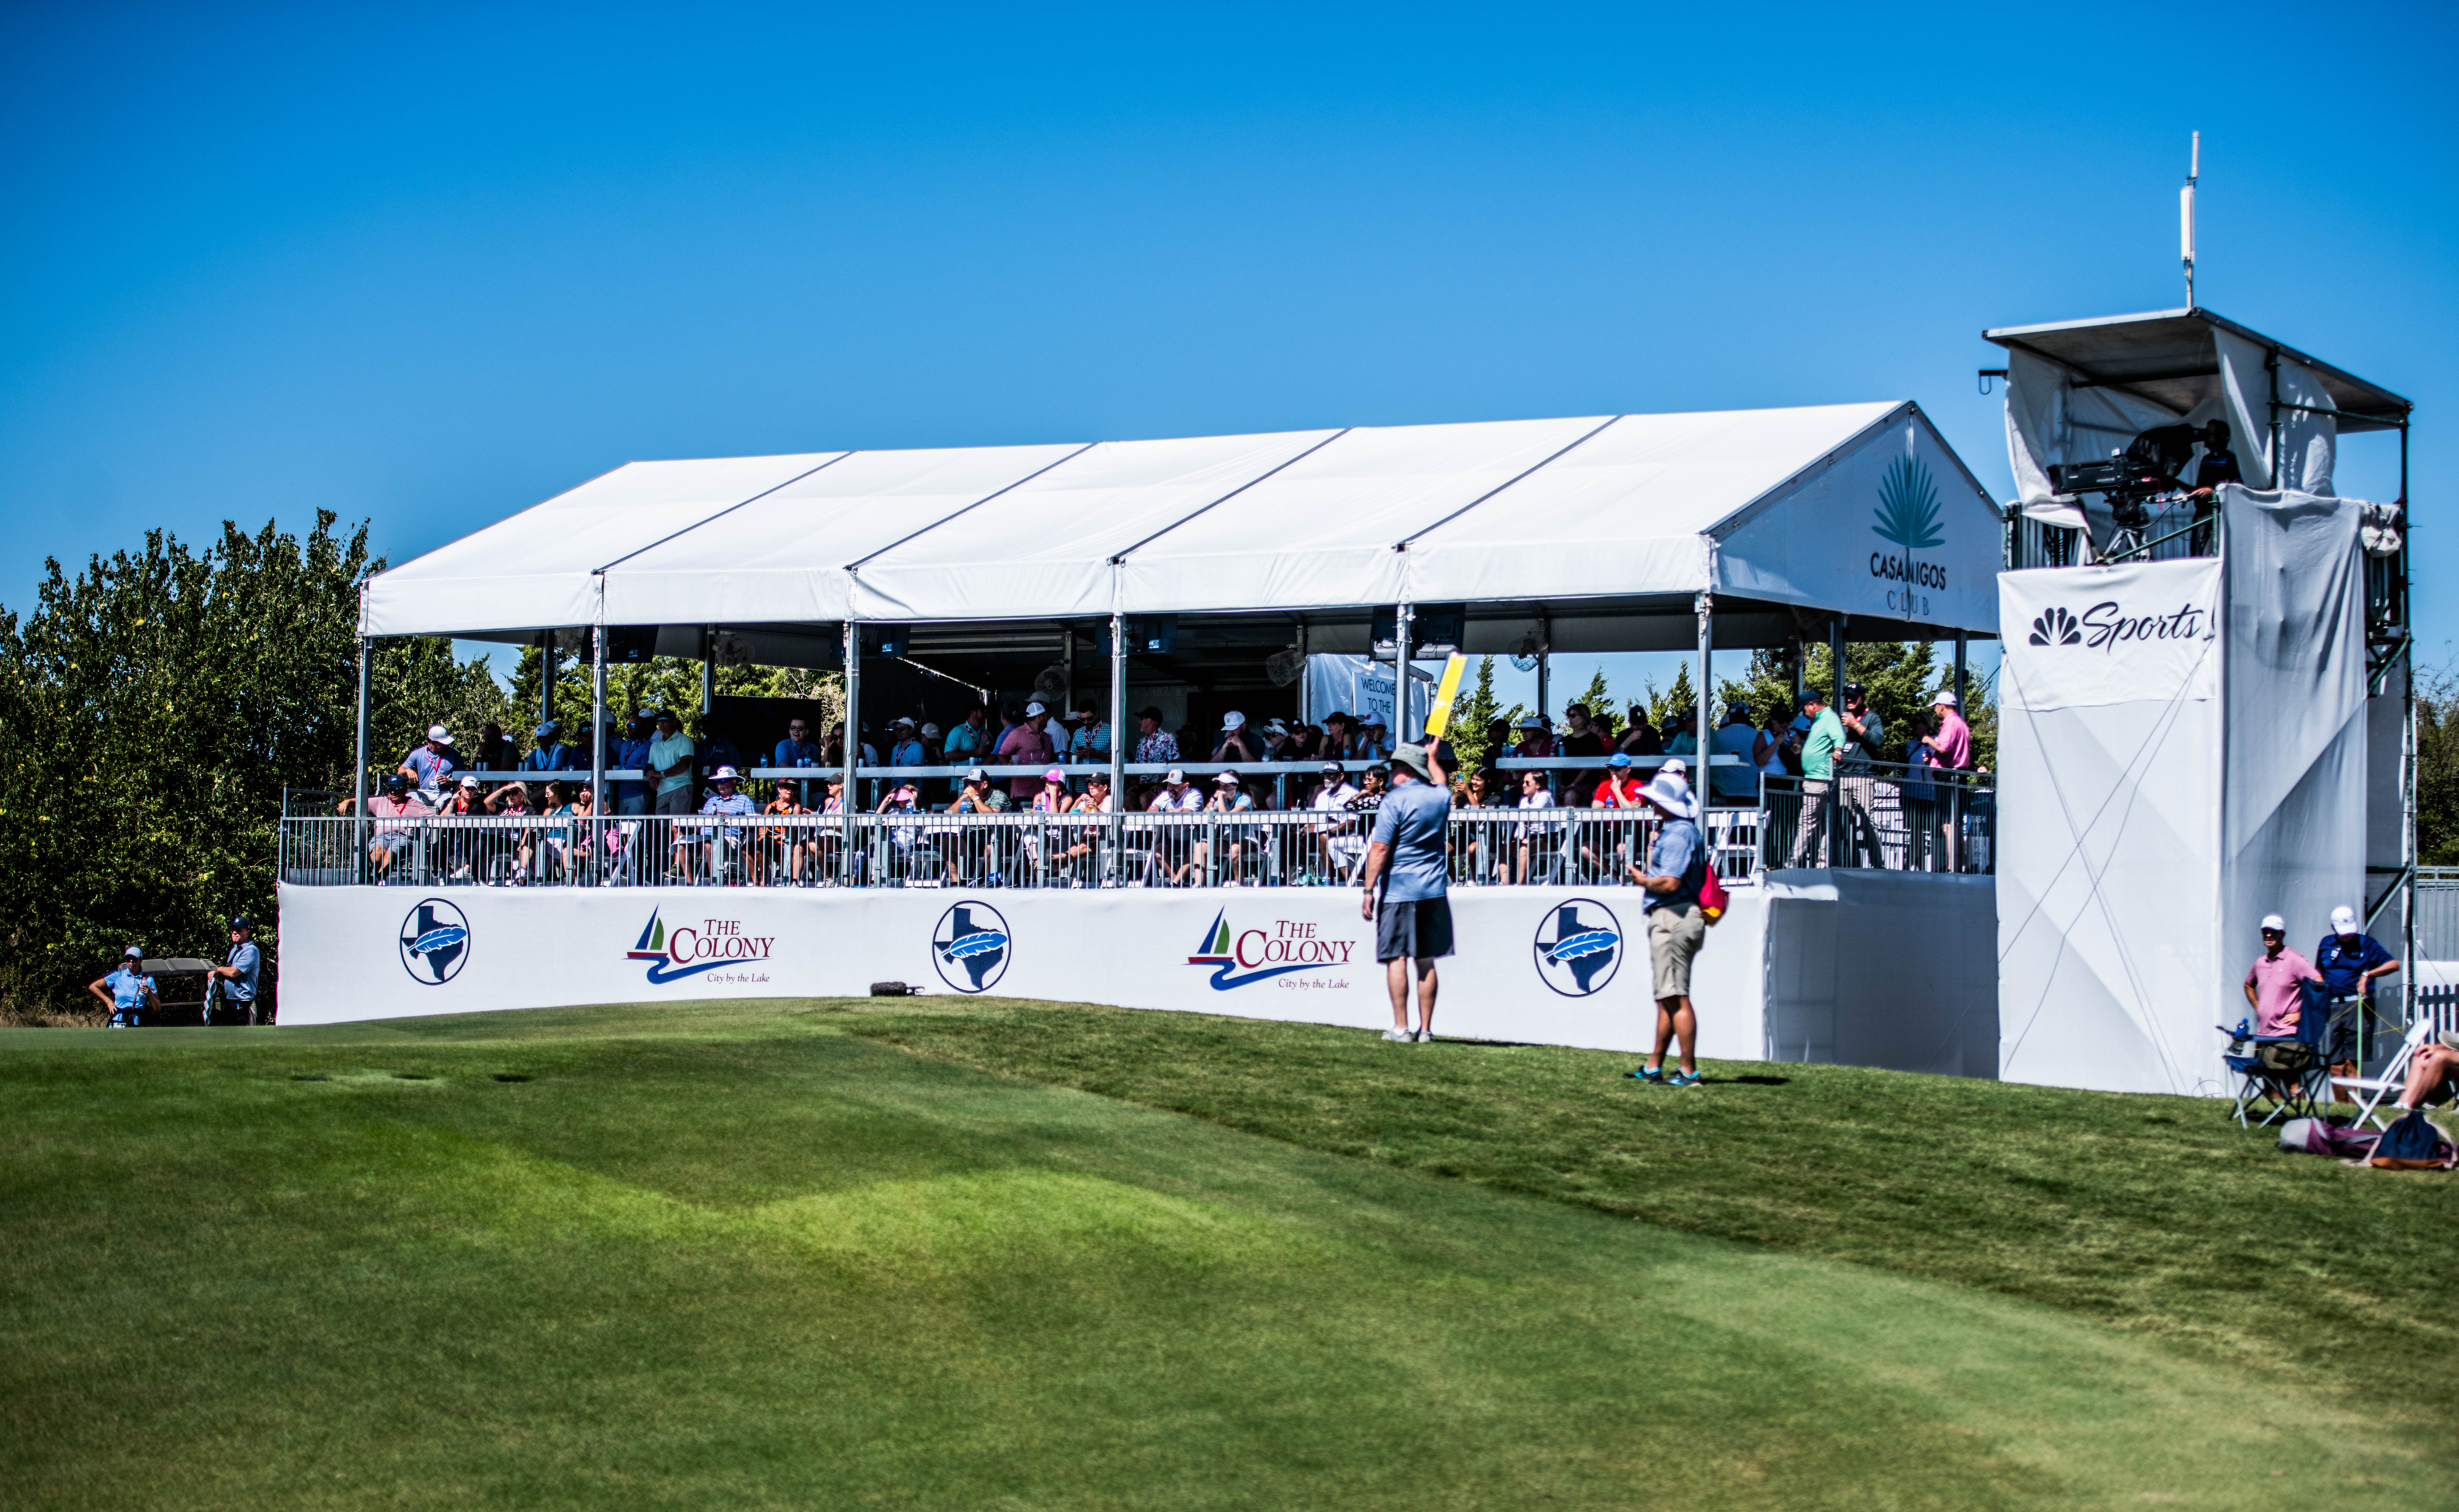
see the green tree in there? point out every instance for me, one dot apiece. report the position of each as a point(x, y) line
point(1598, 696)
point(1475, 712)
point(2437, 767)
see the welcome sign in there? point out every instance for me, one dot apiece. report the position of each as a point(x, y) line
point(2082, 637)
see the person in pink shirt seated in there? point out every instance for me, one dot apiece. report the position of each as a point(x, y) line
point(2271, 985)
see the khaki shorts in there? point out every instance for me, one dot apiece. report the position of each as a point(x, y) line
point(1674, 935)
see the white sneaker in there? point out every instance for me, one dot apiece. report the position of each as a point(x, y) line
point(1398, 1036)
point(1425, 1036)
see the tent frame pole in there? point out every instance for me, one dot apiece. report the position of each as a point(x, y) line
point(358, 782)
point(1706, 608)
point(1118, 745)
point(1404, 636)
point(597, 720)
point(851, 802)
point(1961, 648)
point(1544, 661)
point(546, 676)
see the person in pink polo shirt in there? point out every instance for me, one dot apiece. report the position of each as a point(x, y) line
point(2271, 985)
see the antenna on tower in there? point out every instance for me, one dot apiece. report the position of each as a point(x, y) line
point(2186, 216)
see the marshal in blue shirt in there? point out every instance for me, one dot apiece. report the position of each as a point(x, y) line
point(1411, 822)
point(2341, 966)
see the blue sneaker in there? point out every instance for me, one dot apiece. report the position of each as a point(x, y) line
point(1654, 1077)
point(1683, 1079)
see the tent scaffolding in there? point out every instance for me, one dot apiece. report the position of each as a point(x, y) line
point(2309, 599)
point(1196, 559)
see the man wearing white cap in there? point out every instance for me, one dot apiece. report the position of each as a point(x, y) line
point(1237, 744)
point(1677, 867)
point(722, 839)
point(2271, 984)
point(1028, 745)
point(2350, 960)
point(429, 764)
point(1950, 749)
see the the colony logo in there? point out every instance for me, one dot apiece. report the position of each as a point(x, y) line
point(688, 952)
point(1579, 947)
point(2106, 626)
point(1236, 957)
point(434, 943)
point(1908, 517)
point(970, 947)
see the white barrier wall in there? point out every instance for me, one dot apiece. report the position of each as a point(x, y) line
point(1540, 964)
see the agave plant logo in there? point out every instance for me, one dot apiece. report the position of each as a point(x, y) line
point(1908, 512)
point(2056, 627)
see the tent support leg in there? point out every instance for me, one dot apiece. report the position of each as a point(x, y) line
point(546, 676)
point(707, 677)
point(597, 722)
point(1119, 747)
point(852, 802)
point(358, 782)
point(1707, 610)
point(1544, 657)
point(1962, 646)
point(1405, 634)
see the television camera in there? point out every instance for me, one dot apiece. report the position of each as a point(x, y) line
point(2131, 478)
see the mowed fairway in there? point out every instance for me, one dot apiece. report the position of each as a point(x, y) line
point(751, 1255)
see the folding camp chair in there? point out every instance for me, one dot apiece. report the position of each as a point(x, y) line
point(2286, 1070)
point(2368, 1092)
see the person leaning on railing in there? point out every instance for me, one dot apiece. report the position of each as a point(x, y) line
point(388, 840)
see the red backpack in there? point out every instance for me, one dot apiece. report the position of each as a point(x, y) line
point(1713, 899)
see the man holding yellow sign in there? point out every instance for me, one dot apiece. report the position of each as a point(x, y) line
point(1411, 909)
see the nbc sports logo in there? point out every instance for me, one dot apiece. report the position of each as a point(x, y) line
point(2056, 627)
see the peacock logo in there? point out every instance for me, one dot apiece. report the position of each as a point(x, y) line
point(1909, 512)
point(2055, 627)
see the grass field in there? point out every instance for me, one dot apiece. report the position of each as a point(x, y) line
point(982, 1254)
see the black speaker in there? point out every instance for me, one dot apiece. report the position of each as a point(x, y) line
point(629, 644)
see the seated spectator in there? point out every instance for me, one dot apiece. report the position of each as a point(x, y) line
point(565, 849)
point(1027, 745)
point(718, 842)
point(1237, 741)
point(1306, 744)
point(909, 846)
point(979, 795)
point(428, 764)
point(552, 754)
point(1339, 737)
point(2432, 1073)
point(1238, 844)
point(1277, 736)
point(783, 848)
point(969, 739)
point(1738, 739)
point(495, 752)
point(2271, 984)
point(1539, 840)
point(1498, 737)
point(1054, 797)
point(1475, 791)
point(1154, 744)
point(904, 745)
point(1536, 740)
point(388, 841)
point(464, 845)
point(1620, 790)
point(1620, 787)
point(1374, 744)
point(126, 990)
point(1685, 739)
point(1642, 738)
point(1581, 737)
point(795, 751)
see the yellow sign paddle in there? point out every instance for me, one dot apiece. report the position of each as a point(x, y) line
point(1439, 718)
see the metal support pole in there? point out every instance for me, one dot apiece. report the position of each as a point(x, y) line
point(546, 676)
point(1961, 641)
point(707, 676)
point(1706, 606)
point(1119, 747)
point(359, 781)
point(1836, 661)
point(1405, 632)
point(597, 720)
point(1306, 703)
point(1544, 657)
point(852, 799)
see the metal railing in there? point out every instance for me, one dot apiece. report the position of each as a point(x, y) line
point(1263, 848)
point(1886, 816)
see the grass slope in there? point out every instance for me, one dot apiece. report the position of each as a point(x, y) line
point(747, 1255)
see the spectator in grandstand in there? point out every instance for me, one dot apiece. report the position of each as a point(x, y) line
point(1769, 750)
point(236, 978)
point(1238, 744)
point(1919, 794)
point(1372, 785)
point(1953, 740)
point(1176, 796)
point(1474, 792)
point(561, 802)
point(1739, 739)
point(1620, 788)
point(631, 753)
point(1865, 737)
point(1539, 840)
point(1683, 739)
point(1642, 738)
point(1338, 843)
point(1536, 738)
point(712, 747)
point(1374, 742)
point(1407, 883)
point(495, 752)
point(970, 739)
point(718, 842)
point(463, 845)
point(551, 754)
point(1027, 745)
point(908, 844)
point(670, 764)
point(795, 751)
point(1339, 737)
point(127, 989)
point(1818, 747)
point(1153, 744)
point(1090, 743)
point(430, 761)
point(781, 847)
point(1054, 797)
point(388, 841)
point(905, 743)
point(1306, 744)
point(981, 795)
point(1677, 867)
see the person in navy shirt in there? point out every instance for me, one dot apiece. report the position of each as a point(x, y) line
point(797, 749)
point(127, 989)
point(236, 976)
point(2350, 960)
point(552, 754)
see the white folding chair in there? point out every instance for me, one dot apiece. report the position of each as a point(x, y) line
point(2368, 1092)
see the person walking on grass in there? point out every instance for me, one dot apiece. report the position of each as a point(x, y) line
point(1407, 886)
point(1677, 866)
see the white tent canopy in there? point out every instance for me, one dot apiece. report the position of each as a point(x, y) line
point(1860, 509)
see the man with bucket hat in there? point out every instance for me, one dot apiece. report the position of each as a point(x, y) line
point(1407, 886)
point(1677, 866)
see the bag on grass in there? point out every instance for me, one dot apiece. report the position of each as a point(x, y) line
point(2414, 1144)
point(2313, 1136)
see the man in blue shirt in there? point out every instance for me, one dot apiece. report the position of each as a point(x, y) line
point(1412, 912)
point(127, 989)
point(797, 749)
point(2350, 960)
point(1677, 866)
point(236, 976)
point(552, 755)
point(631, 753)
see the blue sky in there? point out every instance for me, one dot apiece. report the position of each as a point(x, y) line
point(430, 268)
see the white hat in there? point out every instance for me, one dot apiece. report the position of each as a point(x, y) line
point(725, 774)
point(1232, 720)
point(1274, 726)
point(2272, 921)
point(134, 951)
point(2344, 920)
point(1031, 709)
point(1677, 766)
point(1176, 778)
point(1669, 793)
point(978, 776)
point(437, 732)
point(1532, 721)
point(1946, 696)
point(930, 729)
point(467, 780)
point(1226, 778)
point(901, 719)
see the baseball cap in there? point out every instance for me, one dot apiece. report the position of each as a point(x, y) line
point(1619, 759)
point(132, 952)
point(1946, 696)
point(242, 923)
point(1332, 768)
point(2344, 920)
point(977, 774)
point(1175, 778)
point(930, 729)
point(725, 774)
point(1152, 714)
point(437, 732)
point(1275, 726)
point(1232, 720)
point(547, 727)
point(901, 719)
point(468, 781)
point(394, 782)
point(1053, 775)
point(1532, 721)
point(1853, 689)
point(1031, 709)
point(1676, 765)
point(1807, 697)
point(1227, 779)
point(2272, 921)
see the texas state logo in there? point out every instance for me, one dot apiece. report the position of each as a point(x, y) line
point(970, 947)
point(688, 950)
point(1579, 945)
point(1237, 957)
point(434, 942)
